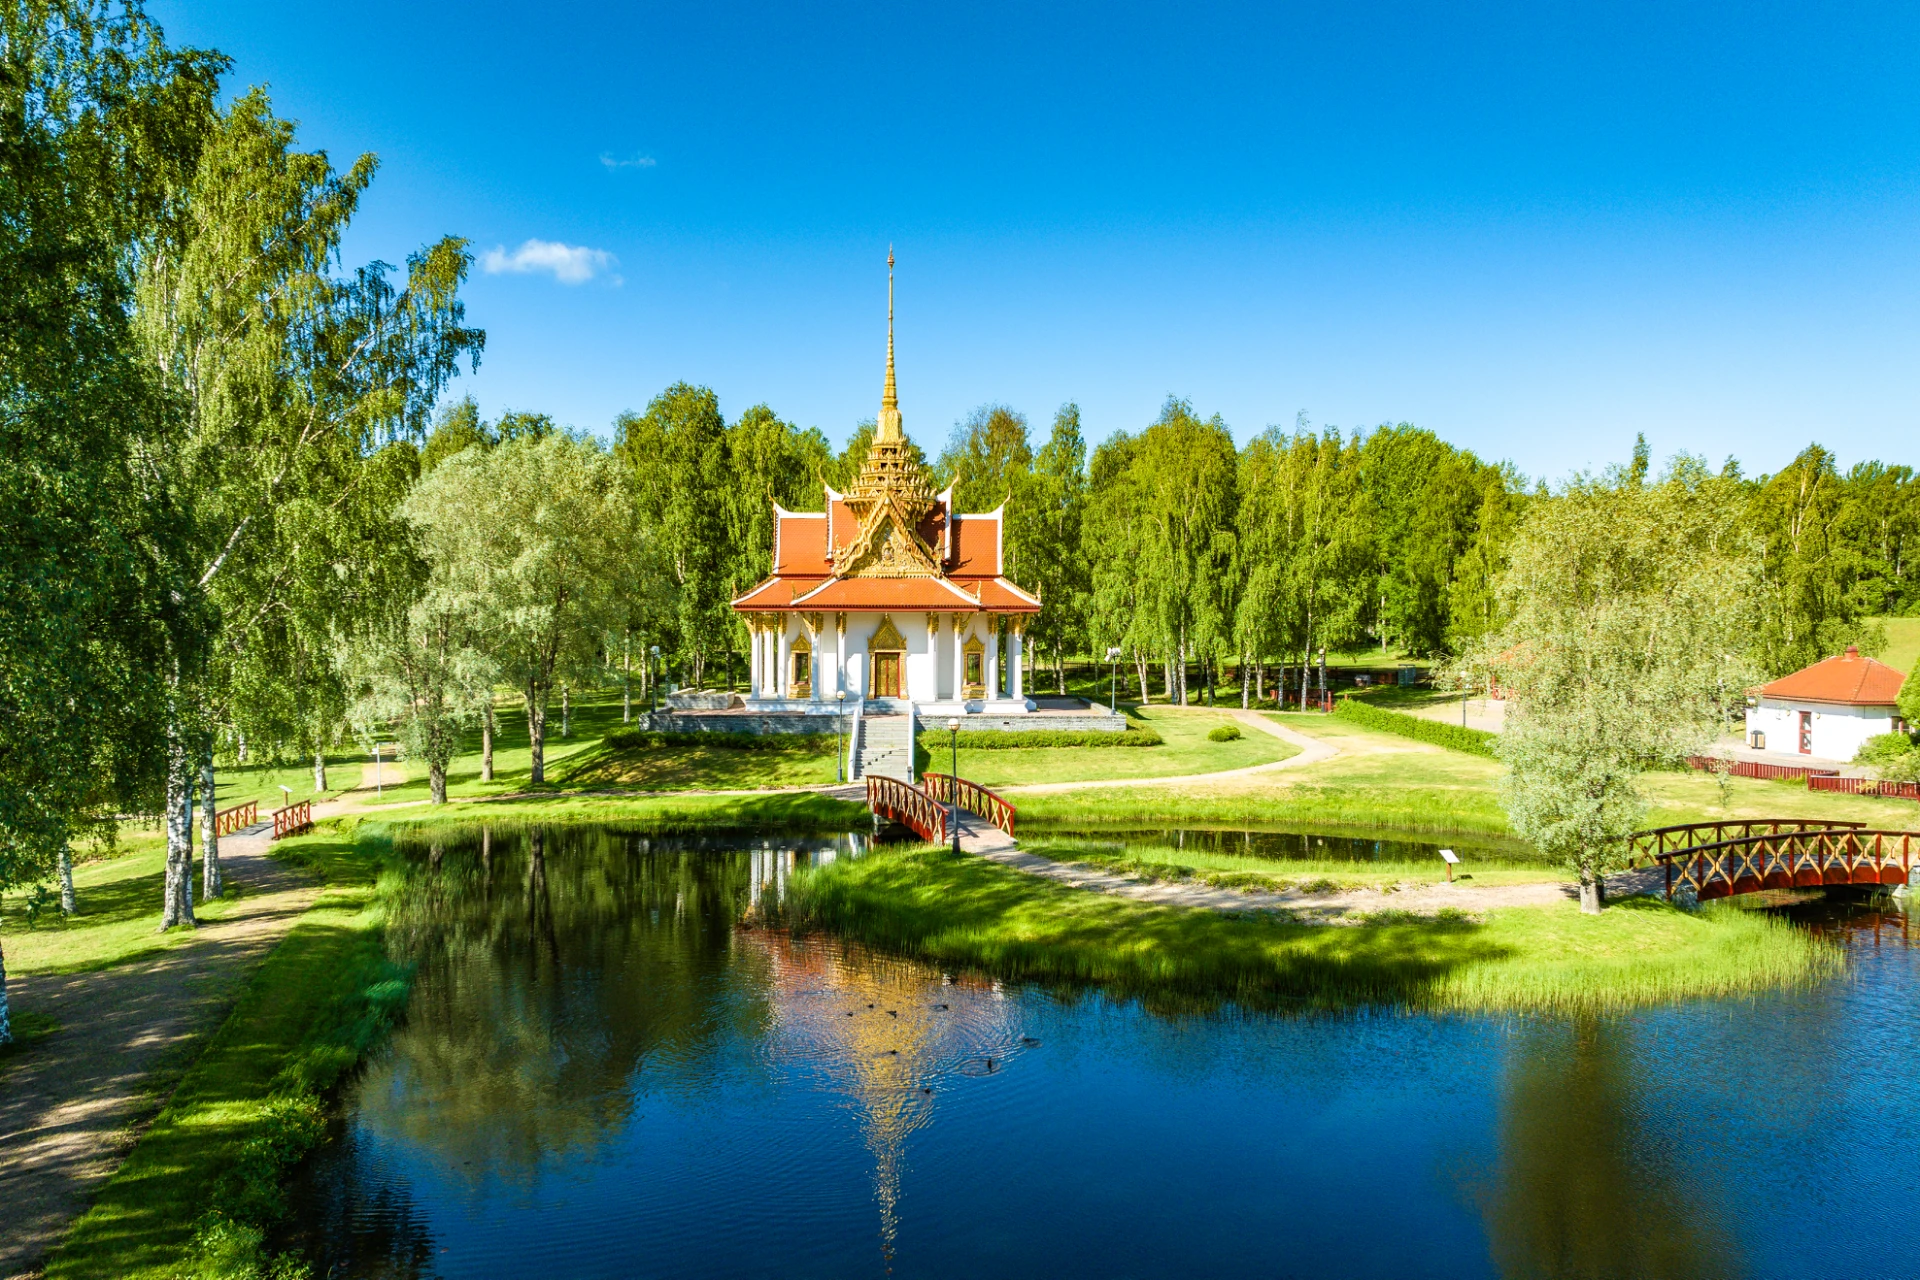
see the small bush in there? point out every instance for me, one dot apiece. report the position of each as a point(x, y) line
point(1224, 733)
point(1891, 755)
point(1454, 737)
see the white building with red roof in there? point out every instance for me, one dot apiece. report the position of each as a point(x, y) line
point(888, 595)
point(1828, 709)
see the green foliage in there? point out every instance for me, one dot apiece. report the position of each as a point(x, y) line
point(1631, 607)
point(634, 739)
point(1441, 734)
point(1134, 735)
point(1909, 696)
point(1816, 574)
point(963, 910)
point(101, 124)
point(1224, 733)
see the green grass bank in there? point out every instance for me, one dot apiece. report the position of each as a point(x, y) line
point(962, 911)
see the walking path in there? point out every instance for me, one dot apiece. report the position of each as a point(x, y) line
point(71, 1104)
point(1312, 751)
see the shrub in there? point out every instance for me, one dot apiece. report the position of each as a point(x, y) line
point(1884, 749)
point(1454, 737)
point(1223, 733)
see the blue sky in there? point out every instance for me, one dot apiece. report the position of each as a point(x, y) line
point(1535, 229)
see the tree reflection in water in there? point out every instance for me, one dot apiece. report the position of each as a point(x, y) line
point(1583, 1188)
point(546, 983)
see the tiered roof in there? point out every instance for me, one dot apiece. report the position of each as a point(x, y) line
point(890, 543)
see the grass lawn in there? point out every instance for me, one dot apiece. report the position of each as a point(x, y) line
point(775, 811)
point(964, 911)
point(119, 900)
point(1184, 749)
point(776, 760)
point(1312, 875)
point(1903, 643)
point(251, 1103)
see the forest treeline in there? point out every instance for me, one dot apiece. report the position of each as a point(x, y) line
point(247, 523)
point(1172, 542)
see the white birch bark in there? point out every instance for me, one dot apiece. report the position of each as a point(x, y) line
point(68, 904)
point(6, 1021)
point(210, 883)
point(319, 770)
point(486, 743)
point(537, 736)
point(177, 904)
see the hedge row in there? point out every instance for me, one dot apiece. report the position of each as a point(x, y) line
point(1134, 735)
point(1477, 742)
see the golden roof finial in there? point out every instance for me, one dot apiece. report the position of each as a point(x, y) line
point(888, 428)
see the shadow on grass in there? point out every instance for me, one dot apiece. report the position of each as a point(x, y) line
point(680, 761)
point(961, 910)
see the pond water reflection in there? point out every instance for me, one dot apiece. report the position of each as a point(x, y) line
point(610, 1069)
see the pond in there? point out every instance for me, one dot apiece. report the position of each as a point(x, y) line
point(609, 1069)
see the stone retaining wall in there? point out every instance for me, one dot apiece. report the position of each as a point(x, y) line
point(739, 722)
point(1029, 723)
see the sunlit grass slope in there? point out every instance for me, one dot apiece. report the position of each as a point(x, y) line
point(966, 912)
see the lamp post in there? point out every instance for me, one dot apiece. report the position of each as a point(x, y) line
point(840, 755)
point(953, 781)
point(1113, 679)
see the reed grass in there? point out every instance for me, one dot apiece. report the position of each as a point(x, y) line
point(962, 911)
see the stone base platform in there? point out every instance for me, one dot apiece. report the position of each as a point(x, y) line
point(1068, 715)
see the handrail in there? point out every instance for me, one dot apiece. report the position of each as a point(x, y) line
point(293, 819)
point(853, 742)
point(974, 798)
point(908, 805)
point(228, 821)
point(1654, 843)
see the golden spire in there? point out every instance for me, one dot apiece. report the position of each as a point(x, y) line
point(888, 428)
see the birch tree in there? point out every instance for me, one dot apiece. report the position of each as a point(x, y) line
point(292, 377)
point(100, 124)
point(1631, 607)
point(534, 543)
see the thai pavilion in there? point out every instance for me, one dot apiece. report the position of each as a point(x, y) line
point(888, 595)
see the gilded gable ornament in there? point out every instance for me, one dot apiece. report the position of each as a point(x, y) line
point(886, 637)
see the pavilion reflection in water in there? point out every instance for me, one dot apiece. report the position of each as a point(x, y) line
point(888, 1036)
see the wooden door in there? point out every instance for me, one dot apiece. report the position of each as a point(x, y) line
point(1806, 733)
point(886, 675)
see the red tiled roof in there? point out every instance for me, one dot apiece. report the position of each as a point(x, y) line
point(1849, 680)
point(978, 545)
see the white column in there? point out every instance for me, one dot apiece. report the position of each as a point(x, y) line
point(783, 668)
point(933, 657)
point(1019, 647)
point(959, 658)
point(839, 653)
point(993, 659)
point(753, 658)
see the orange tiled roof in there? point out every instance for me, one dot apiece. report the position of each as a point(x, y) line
point(1849, 680)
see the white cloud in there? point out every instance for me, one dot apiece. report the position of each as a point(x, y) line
point(570, 264)
point(635, 161)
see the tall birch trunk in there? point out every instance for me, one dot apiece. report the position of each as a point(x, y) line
point(1246, 688)
point(68, 904)
point(319, 770)
point(537, 735)
point(6, 1020)
point(486, 743)
point(1140, 669)
point(566, 712)
point(626, 678)
point(177, 903)
point(210, 882)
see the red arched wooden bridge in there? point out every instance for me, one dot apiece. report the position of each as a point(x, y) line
point(1691, 835)
point(908, 805)
point(1804, 858)
point(974, 798)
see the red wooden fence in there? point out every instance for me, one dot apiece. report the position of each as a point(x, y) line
point(228, 821)
point(1753, 769)
point(1866, 787)
point(293, 819)
point(974, 798)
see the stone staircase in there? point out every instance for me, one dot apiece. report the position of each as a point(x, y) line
point(886, 746)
